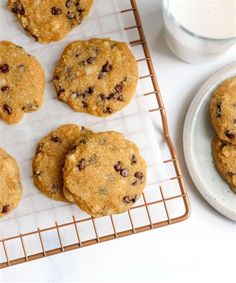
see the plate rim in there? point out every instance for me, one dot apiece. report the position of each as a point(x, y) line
point(201, 93)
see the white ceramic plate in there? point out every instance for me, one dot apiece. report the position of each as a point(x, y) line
point(197, 137)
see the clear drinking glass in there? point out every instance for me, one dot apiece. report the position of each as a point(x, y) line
point(189, 46)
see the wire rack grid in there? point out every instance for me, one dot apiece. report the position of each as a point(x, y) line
point(147, 208)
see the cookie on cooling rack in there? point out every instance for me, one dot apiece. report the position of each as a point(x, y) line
point(223, 110)
point(98, 76)
point(50, 155)
point(224, 155)
point(21, 83)
point(48, 20)
point(10, 185)
point(105, 175)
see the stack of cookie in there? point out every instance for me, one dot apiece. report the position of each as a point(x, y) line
point(102, 173)
point(223, 116)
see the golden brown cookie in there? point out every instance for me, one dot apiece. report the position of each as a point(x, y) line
point(49, 158)
point(223, 110)
point(10, 185)
point(50, 20)
point(98, 76)
point(21, 83)
point(224, 155)
point(105, 175)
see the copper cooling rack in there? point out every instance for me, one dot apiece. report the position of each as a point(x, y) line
point(175, 182)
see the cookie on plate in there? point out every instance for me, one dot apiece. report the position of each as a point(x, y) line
point(224, 155)
point(223, 110)
point(10, 184)
point(48, 20)
point(21, 83)
point(98, 76)
point(50, 155)
point(105, 175)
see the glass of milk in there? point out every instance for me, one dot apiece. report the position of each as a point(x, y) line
point(198, 31)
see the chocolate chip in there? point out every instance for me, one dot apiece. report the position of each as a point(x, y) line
point(106, 67)
point(133, 159)
point(234, 121)
point(115, 96)
point(82, 63)
point(118, 166)
point(39, 148)
point(229, 134)
point(119, 88)
point(68, 4)
point(17, 8)
point(108, 110)
point(56, 11)
point(218, 110)
point(120, 98)
point(59, 91)
point(70, 16)
point(110, 96)
point(56, 139)
point(138, 175)
point(134, 183)
point(90, 60)
point(124, 172)
point(80, 11)
point(85, 104)
point(101, 75)
point(90, 90)
point(101, 97)
point(129, 199)
point(126, 200)
point(82, 141)
point(81, 165)
point(4, 68)
point(5, 88)
point(7, 108)
point(5, 208)
point(30, 106)
point(134, 198)
point(35, 37)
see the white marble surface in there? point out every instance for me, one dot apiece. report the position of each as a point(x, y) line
point(201, 249)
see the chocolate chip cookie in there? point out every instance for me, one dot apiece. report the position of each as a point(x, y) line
point(21, 83)
point(10, 185)
point(223, 110)
point(49, 158)
point(105, 175)
point(50, 20)
point(98, 76)
point(224, 155)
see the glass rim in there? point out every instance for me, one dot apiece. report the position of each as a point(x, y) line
point(177, 23)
